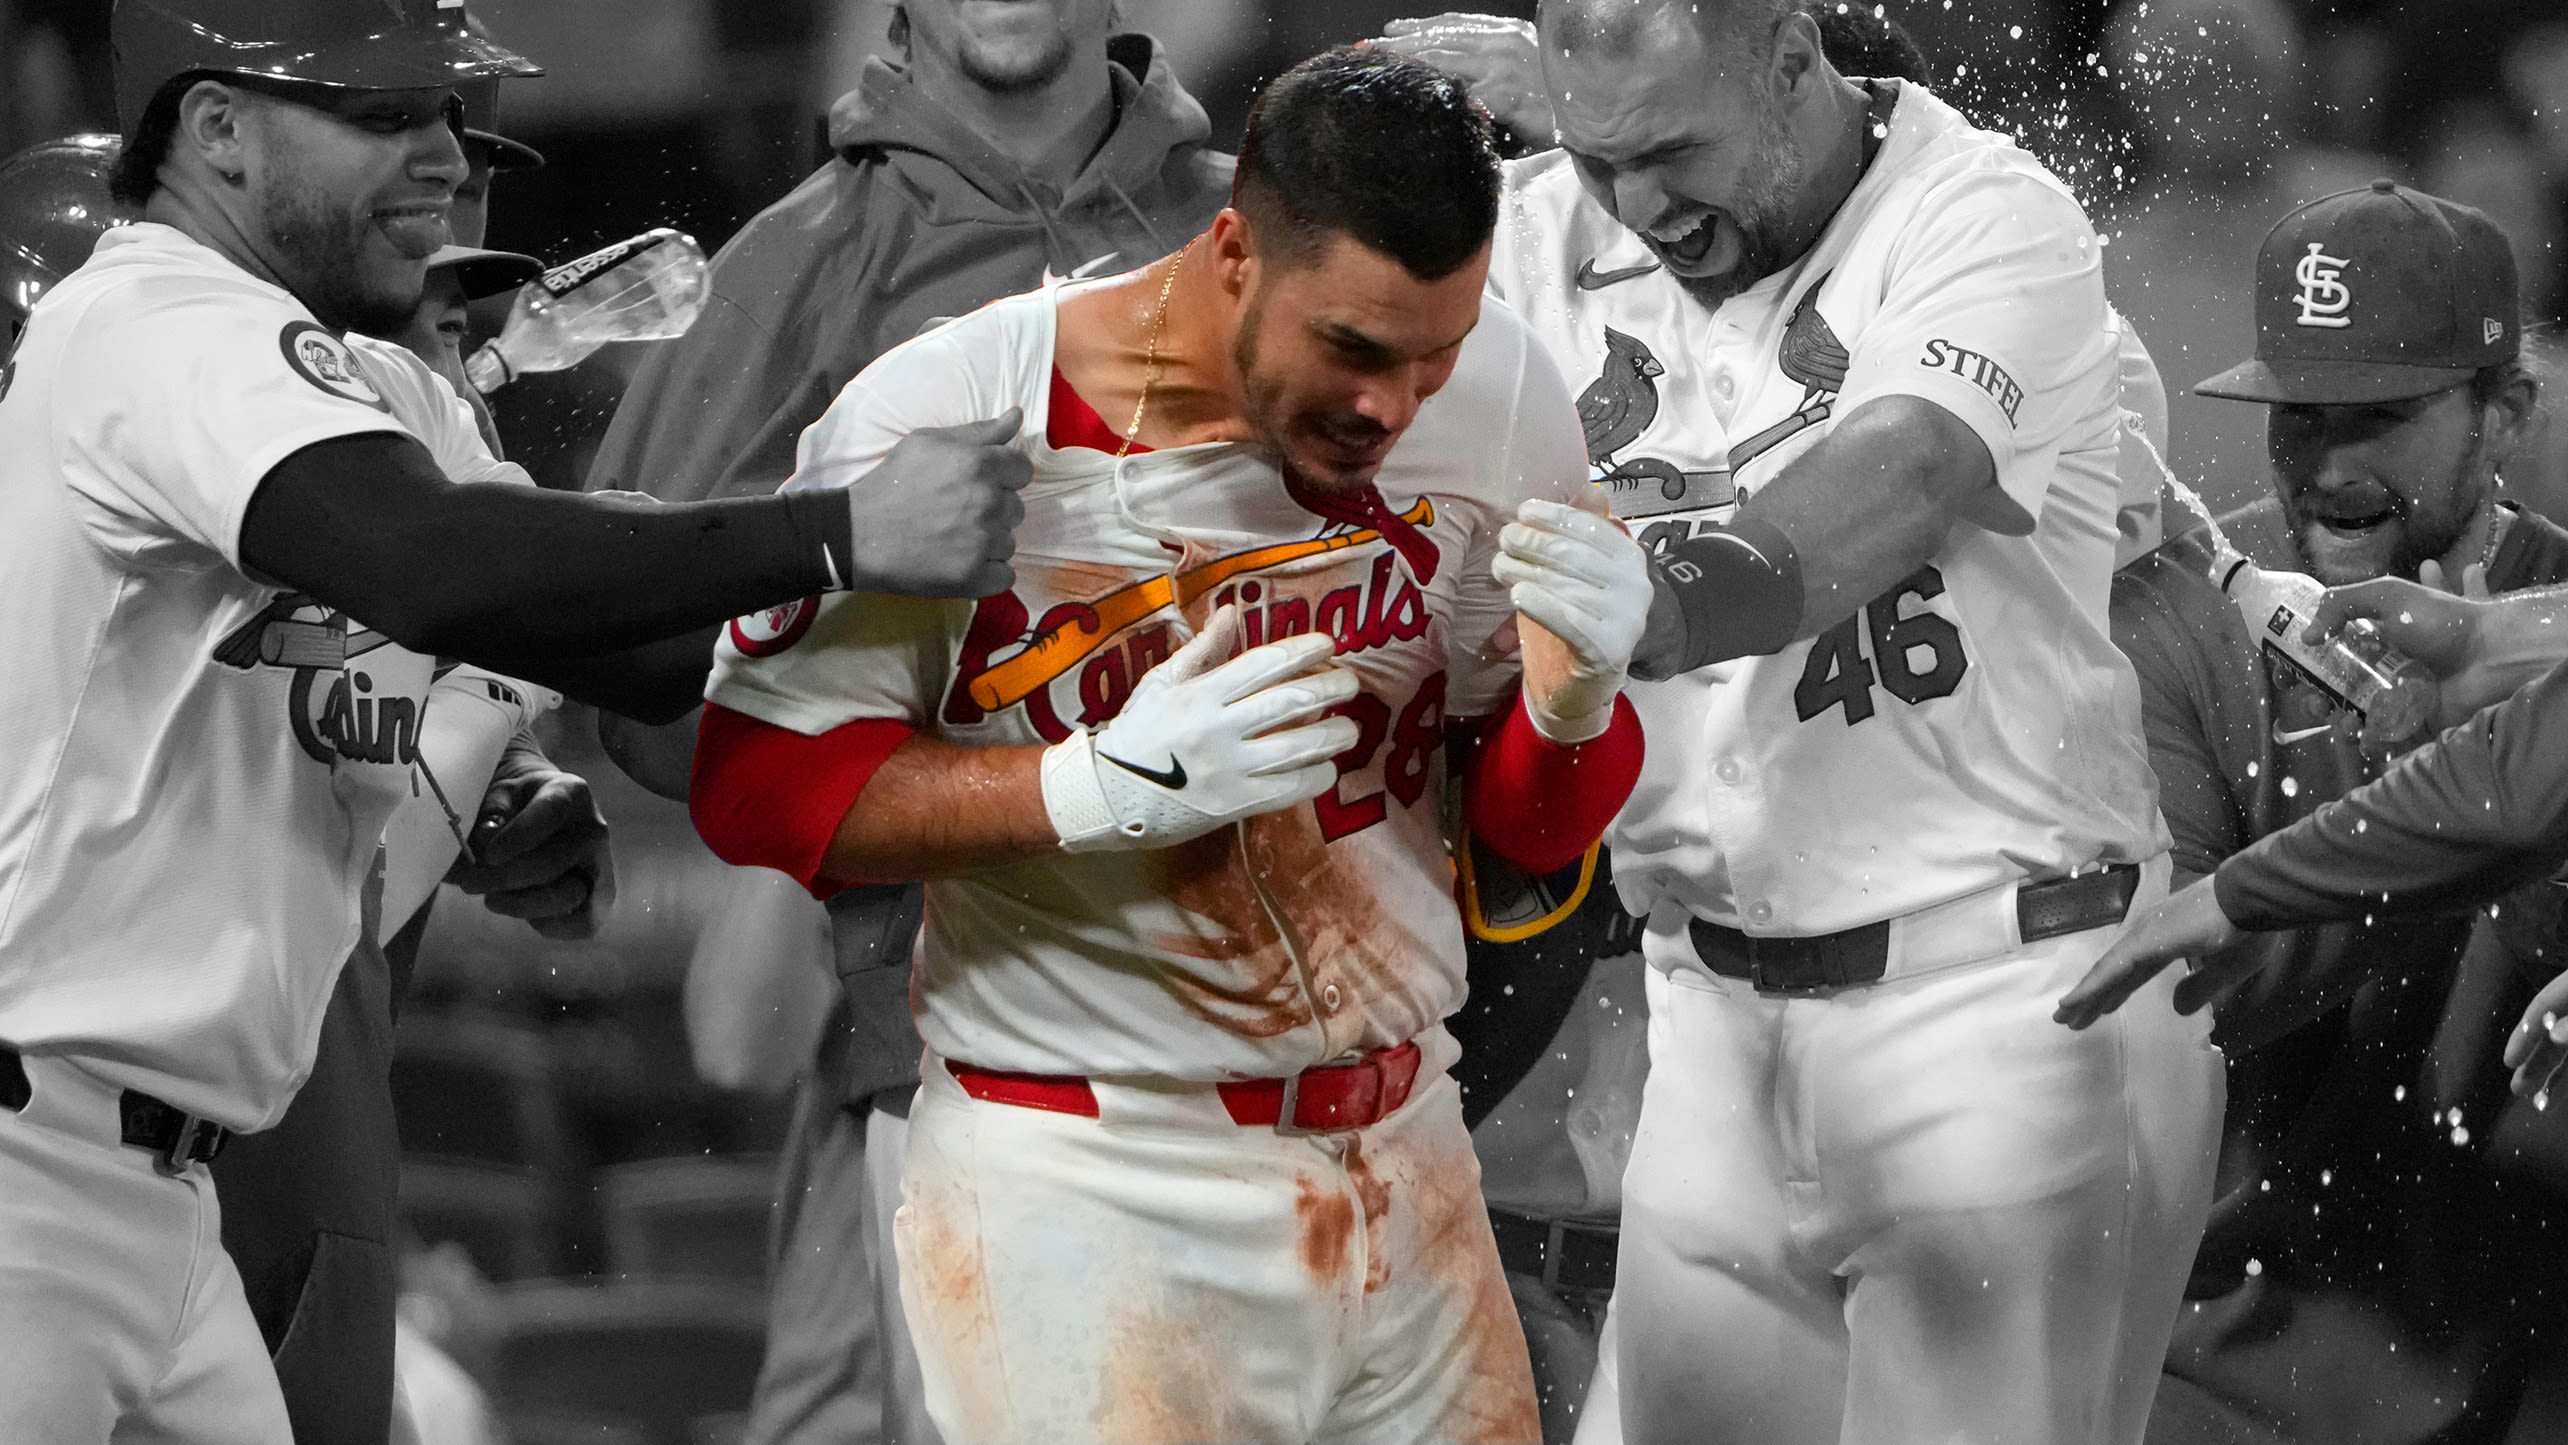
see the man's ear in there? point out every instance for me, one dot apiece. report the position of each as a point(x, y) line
point(2512, 415)
point(212, 123)
point(1234, 250)
point(1798, 58)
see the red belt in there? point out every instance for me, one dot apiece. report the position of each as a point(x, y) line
point(1315, 1101)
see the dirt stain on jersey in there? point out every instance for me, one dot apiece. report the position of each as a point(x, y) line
point(1456, 1257)
point(938, 1230)
point(1168, 1377)
point(1327, 1218)
point(1373, 1192)
point(1260, 994)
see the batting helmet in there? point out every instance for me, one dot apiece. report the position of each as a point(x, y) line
point(360, 44)
point(53, 205)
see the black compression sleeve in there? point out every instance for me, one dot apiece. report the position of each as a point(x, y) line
point(1731, 591)
point(656, 683)
point(368, 525)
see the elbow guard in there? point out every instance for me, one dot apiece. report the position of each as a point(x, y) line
point(1734, 591)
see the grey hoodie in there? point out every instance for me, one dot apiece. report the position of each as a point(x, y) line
point(916, 217)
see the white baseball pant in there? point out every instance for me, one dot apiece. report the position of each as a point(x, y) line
point(121, 1318)
point(1918, 1211)
point(1160, 1273)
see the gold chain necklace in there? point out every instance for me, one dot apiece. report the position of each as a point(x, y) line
point(1150, 377)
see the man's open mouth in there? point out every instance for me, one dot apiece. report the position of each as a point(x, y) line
point(2356, 511)
point(1687, 248)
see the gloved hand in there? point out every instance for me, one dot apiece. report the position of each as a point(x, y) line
point(1199, 745)
point(1582, 579)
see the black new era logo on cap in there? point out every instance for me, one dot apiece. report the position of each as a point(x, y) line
point(2376, 295)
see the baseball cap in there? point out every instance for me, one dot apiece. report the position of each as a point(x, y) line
point(486, 273)
point(2376, 294)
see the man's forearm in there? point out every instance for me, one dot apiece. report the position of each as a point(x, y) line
point(1872, 502)
point(1861, 512)
point(2525, 636)
point(936, 810)
point(502, 575)
point(655, 684)
point(2461, 821)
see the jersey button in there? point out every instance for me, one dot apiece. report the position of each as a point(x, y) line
point(1725, 386)
point(1330, 998)
point(1727, 770)
point(1761, 912)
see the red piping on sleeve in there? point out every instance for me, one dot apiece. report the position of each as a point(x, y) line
point(1538, 804)
point(769, 797)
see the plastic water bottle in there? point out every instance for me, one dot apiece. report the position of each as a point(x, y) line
point(646, 289)
point(2358, 667)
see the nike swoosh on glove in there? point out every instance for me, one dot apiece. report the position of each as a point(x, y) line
point(1202, 742)
point(1587, 583)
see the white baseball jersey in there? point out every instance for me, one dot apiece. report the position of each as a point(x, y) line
point(1254, 951)
point(1971, 726)
point(201, 762)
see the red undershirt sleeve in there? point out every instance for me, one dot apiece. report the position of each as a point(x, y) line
point(769, 797)
point(1539, 805)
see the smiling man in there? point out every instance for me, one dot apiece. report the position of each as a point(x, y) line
point(1850, 372)
point(2387, 356)
point(203, 489)
point(1186, 1163)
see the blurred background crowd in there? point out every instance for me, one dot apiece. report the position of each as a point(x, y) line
point(605, 1108)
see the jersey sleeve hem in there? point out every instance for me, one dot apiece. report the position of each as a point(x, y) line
point(770, 797)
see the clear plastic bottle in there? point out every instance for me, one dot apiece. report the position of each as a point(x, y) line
point(646, 289)
point(2358, 667)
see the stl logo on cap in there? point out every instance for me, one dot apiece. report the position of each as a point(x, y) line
point(2323, 297)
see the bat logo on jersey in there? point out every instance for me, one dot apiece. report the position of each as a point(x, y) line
point(1614, 410)
point(764, 634)
point(312, 641)
point(323, 360)
point(1812, 355)
point(1008, 657)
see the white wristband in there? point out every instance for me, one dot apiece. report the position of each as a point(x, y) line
point(1076, 800)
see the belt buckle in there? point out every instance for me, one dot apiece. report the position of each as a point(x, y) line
point(1291, 1105)
point(1763, 982)
point(1285, 1121)
point(174, 1156)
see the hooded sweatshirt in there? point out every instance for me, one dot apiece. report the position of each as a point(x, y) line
point(917, 217)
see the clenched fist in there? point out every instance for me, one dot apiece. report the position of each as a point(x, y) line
point(937, 516)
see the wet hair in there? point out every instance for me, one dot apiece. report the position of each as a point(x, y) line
point(1368, 143)
point(1860, 38)
point(1623, 27)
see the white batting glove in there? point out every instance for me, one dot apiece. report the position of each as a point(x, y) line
point(1588, 583)
point(1199, 745)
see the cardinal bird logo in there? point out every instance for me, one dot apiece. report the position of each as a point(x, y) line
point(1812, 355)
point(1614, 410)
point(1620, 405)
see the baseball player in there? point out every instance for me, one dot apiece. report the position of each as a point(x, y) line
point(2388, 434)
point(995, 146)
point(1850, 373)
point(310, 1226)
point(203, 487)
point(1185, 1161)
